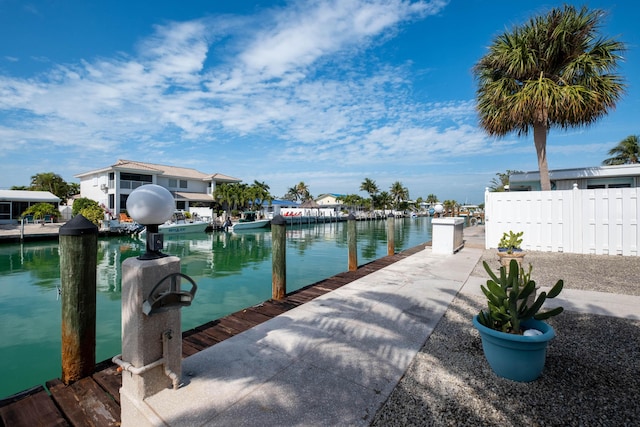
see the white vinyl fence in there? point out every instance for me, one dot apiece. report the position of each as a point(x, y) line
point(600, 221)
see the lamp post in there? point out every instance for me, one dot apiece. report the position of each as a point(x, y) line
point(438, 209)
point(151, 360)
point(151, 205)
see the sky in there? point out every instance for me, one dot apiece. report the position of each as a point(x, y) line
point(325, 92)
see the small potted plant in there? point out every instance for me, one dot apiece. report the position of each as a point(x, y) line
point(509, 247)
point(514, 337)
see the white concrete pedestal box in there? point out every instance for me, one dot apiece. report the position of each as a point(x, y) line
point(447, 235)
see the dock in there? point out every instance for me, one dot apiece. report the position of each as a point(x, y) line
point(95, 400)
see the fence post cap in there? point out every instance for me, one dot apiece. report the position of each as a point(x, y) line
point(77, 226)
point(278, 220)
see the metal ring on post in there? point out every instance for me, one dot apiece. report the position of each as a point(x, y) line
point(171, 298)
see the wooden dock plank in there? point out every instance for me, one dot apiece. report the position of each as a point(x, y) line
point(270, 309)
point(189, 349)
point(200, 341)
point(234, 324)
point(36, 409)
point(252, 316)
point(216, 333)
point(85, 403)
point(110, 380)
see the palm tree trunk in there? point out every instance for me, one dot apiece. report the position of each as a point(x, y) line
point(540, 141)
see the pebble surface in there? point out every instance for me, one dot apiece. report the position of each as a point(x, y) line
point(592, 371)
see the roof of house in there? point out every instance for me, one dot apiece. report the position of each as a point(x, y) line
point(588, 172)
point(28, 196)
point(165, 170)
point(335, 195)
point(193, 197)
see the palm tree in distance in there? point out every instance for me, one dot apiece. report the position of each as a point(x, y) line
point(501, 183)
point(51, 182)
point(384, 200)
point(555, 70)
point(626, 152)
point(370, 187)
point(300, 191)
point(399, 193)
point(258, 194)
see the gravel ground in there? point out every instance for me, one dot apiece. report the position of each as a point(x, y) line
point(591, 377)
point(602, 273)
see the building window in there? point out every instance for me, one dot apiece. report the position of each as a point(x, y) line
point(5, 210)
point(123, 202)
point(183, 183)
point(173, 183)
point(131, 181)
point(18, 208)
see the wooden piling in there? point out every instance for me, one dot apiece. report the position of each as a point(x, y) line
point(279, 257)
point(352, 239)
point(78, 261)
point(391, 238)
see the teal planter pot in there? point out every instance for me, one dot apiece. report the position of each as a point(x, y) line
point(516, 357)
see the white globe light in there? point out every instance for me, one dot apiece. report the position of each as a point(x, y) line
point(438, 208)
point(150, 204)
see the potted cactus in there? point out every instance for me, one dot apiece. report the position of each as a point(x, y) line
point(514, 336)
point(509, 247)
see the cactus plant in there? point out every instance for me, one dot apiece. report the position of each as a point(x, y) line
point(507, 299)
point(510, 241)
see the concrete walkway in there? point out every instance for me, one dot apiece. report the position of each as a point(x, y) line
point(332, 361)
point(15, 231)
point(335, 360)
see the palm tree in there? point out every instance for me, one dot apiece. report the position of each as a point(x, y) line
point(399, 193)
point(449, 206)
point(501, 183)
point(371, 188)
point(292, 194)
point(626, 152)
point(258, 194)
point(555, 70)
point(224, 195)
point(383, 200)
point(51, 182)
point(352, 200)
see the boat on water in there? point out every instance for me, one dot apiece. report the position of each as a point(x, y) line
point(179, 224)
point(248, 221)
point(473, 212)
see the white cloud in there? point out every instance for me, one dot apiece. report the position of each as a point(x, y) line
point(290, 79)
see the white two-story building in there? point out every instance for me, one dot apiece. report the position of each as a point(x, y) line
point(111, 186)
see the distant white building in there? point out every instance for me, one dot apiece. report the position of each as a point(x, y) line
point(14, 202)
point(111, 186)
point(619, 176)
point(329, 200)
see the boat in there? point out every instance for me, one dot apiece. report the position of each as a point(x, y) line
point(249, 221)
point(473, 212)
point(178, 224)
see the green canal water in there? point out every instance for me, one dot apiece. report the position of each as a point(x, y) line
point(232, 271)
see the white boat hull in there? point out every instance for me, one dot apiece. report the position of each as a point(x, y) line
point(250, 225)
point(189, 227)
point(183, 228)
